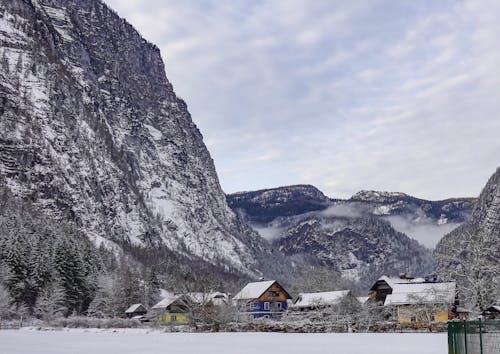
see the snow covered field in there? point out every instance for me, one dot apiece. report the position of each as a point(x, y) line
point(142, 342)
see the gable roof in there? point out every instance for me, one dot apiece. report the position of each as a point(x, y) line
point(256, 289)
point(134, 308)
point(169, 300)
point(320, 299)
point(421, 293)
point(394, 281)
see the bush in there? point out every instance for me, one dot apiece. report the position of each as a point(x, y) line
point(90, 322)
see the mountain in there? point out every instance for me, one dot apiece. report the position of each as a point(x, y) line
point(265, 205)
point(367, 235)
point(360, 248)
point(454, 210)
point(91, 131)
point(470, 253)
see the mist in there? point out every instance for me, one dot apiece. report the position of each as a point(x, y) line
point(427, 233)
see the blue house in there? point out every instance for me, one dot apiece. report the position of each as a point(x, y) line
point(263, 299)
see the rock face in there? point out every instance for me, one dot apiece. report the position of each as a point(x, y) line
point(485, 216)
point(92, 131)
point(360, 248)
point(470, 253)
point(362, 237)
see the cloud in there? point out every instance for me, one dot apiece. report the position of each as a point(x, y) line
point(342, 210)
point(354, 95)
point(427, 233)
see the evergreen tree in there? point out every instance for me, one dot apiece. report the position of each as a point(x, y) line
point(51, 303)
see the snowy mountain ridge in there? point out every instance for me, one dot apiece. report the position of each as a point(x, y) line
point(91, 130)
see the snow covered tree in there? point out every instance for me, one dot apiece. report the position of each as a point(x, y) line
point(473, 262)
point(51, 302)
point(102, 304)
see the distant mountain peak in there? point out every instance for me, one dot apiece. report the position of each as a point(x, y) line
point(377, 196)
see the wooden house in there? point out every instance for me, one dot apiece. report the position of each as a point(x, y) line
point(172, 310)
point(263, 299)
point(415, 300)
point(320, 300)
point(136, 311)
point(492, 312)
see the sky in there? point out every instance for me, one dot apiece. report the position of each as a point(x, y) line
point(344, 95)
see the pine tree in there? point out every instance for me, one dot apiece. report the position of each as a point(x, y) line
point(51, 303)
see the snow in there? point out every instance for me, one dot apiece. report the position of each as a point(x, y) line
point(133, 341)
point(166, 302)
point(413, 291)
point(321, 298)
point(155, 133)
point(254, 290)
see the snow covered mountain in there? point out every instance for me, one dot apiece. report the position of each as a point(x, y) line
point(470, 253)
point(362, 237)
point(92, 131)
point(426, 221)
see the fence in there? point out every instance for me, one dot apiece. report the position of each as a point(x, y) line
point(474, 337)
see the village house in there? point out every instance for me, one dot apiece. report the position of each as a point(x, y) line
point(320, 300)
point(263, 299)
point(173, 309)
point(136, 311)
point(492, 312)
point(415, 300)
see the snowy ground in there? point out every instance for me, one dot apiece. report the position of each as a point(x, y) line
point(143, 342)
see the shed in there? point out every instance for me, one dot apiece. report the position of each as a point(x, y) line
point(135, 310)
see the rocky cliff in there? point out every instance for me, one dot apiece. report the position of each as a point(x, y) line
point(470, 253)
point(92, 131)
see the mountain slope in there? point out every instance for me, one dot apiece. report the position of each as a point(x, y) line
point(362, 237)
point(470, 253)
point(91, 130)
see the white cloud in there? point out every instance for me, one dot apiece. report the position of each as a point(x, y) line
point(352, 95)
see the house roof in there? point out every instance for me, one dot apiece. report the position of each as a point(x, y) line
point(362, 299)
point(320, 299)
point(134, 308)
point(419, 293)
point(215, 297)
point(255, 290)
point(167, 301)
point(494, 308)
point(393, 281)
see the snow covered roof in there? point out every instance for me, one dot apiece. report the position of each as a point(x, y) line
point(169, 300)
point(320, 299)
point(133, 308)
point(419, 293)
point(362, 299)
point(393, 281)
point(217, 298)
point(253, 290)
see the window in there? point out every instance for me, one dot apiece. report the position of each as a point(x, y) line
point(279, 306)
point(273, 294)
point(173, 318)
point(267, 306)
